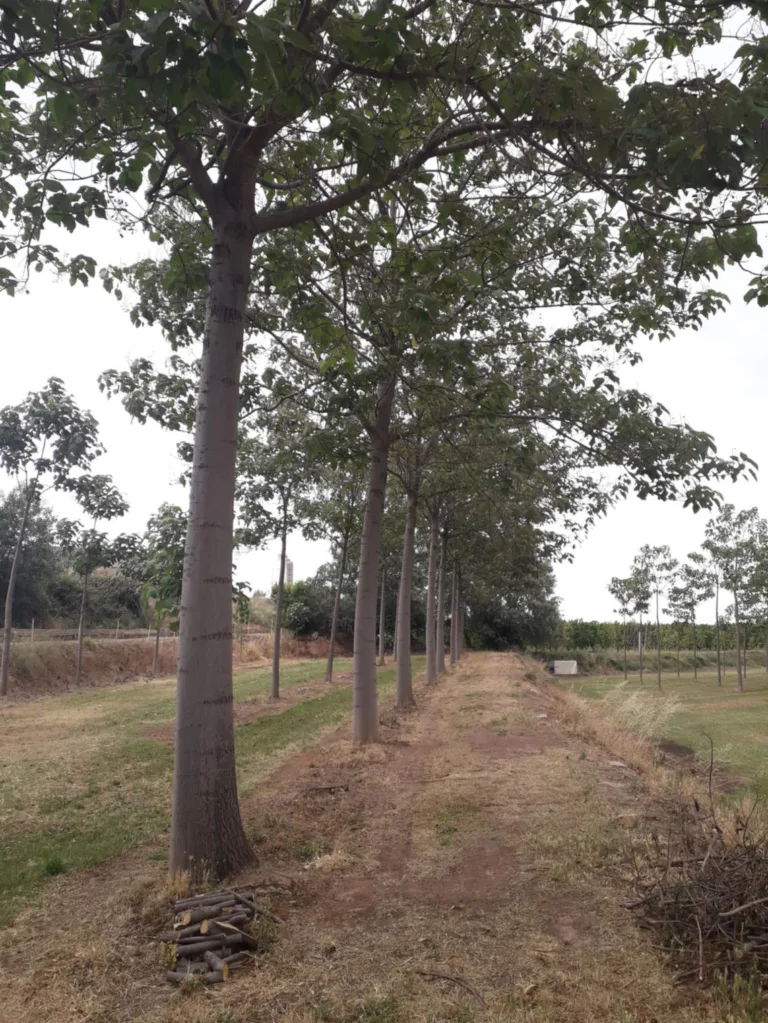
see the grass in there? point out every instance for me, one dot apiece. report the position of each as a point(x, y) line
point(82, 781)
point(737, 722)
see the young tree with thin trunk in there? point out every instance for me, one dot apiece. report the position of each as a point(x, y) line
point(658, 566)
point(440, 630)
point(620, 590)
point(382, 617)
point(164, 568)
point(46, 443)
point(336, 509)
point(102, 501)
point(640, 588)
point(276, 471)
point(433, 515)
point(730, 543)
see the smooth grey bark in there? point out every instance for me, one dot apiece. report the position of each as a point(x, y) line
point(80, 623)
point(365, 716)
point(441, 606)
point(658, 642)
point(624, 620)
point(279, 604)
point(404, 596)
point(642, 649)
point(745, 647)
point(5, 660)
point(382, 616)
point(454, 615)
point(431, 575)
point(737, 630)
point(695, 667)
point(206, 828)
point(336, 606)
point(717, 629)
point(156, 658)
point(766, 646)
point(394, 636)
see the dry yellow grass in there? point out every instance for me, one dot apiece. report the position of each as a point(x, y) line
point(49, 667)
point(481, 840)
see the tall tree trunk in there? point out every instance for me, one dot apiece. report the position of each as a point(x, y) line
point(625, 648)
point(365, 716)
point(440, 631)
point(156, 658)
point(431, 574)
point(460, 638)
point(336, 606)
point(737, 633)
point(5, 660)
point(394, 635)
point(206, 831)
point(279, 607)
point(717, 630)
point(404, 596)
point(382, 616)
point(80, 623)
point(678, 654)
point(695, 665)
point(658, 642)
point(642, 650)
point(766, 646)
point(745, 647)
point(454, 614)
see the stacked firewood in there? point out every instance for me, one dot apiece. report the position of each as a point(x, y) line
point(212, 934)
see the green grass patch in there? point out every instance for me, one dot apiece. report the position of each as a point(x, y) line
point(101, 786)
point(737, 722)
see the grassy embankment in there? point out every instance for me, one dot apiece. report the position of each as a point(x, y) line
point(737, 722)
point(87, 775)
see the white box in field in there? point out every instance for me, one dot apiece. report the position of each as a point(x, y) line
point(566, 668)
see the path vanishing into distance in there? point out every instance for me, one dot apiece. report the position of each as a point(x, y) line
point(468, 867)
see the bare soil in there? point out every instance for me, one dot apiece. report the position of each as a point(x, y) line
point(468, 867)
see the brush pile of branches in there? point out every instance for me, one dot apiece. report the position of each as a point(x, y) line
point(215, 933)
point(705, 897)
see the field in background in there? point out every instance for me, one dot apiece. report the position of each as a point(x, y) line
point(609, 662)
point(737, 722)
point(87, 775)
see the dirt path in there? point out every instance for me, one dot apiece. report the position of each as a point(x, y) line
point(479, 841)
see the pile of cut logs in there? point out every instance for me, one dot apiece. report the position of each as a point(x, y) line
point(209, 936)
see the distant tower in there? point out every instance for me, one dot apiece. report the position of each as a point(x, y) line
point(288, 572)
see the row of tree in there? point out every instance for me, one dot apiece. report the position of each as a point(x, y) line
point(416, 240)
point(733, 558)
point(576, 634)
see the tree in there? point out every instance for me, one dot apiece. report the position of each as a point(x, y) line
point(757, 593)
point(39, 565)
point(164, 567)
point(275, 467)
point(640, 589)
point(621, 591)
point(730, 542)
point(658, 567)
point(697, 583)
point(265, 120)
point(46, 443)
point(336, 509)
point(90, 549)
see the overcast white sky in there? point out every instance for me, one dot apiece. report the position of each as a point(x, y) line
point(716, 379)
